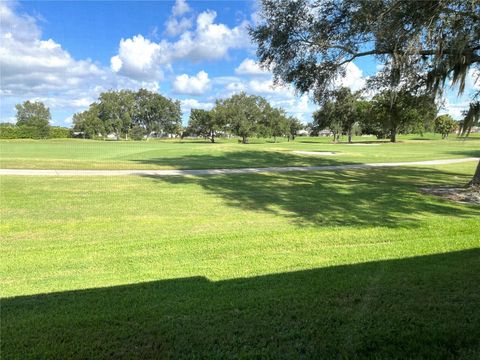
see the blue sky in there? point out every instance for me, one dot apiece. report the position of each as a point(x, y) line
point(66, 53)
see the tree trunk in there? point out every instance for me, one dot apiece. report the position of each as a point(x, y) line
point(212, 138)
point(393, 136)
point(476, 177)
point(244, 139)
point(349, 137)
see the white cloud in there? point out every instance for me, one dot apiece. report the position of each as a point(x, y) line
point(454, 107)
point(30, 65)
point(472, 80)
point(138, 58)
point(269, 87)
point(250, 67)
point(279, 95)
point(174, 27)
point(181, 7)
point(192, 85)
point(353, 77)
point(235, 86)
point(189, 104)
point(210, 41)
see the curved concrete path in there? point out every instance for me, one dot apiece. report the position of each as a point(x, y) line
point(33, 172)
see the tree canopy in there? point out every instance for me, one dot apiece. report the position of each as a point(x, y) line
point(35, 115)
point(118, 112)
point(309, 43)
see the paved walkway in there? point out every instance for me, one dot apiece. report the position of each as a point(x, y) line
point(32, 172)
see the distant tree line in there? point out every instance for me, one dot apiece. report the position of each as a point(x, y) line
point(33, 122)
point(244, 116)
point(135, 115)
point(386, 115)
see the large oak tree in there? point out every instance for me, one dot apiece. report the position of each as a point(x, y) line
point(309, 43)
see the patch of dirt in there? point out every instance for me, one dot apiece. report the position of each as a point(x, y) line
point(470, 195)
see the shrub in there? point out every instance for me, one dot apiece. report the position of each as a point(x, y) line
point(137, 133)
point(58, 132)
point(10, 131)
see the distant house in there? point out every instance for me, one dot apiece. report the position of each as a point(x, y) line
point(325, 132)
point(154, 134)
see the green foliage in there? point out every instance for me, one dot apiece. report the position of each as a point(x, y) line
point(247, 115)
point(471, 119)
point(10, 131)
point(137, 133)
point(59, 132)
point(340, 114)
point(393, 112)
point(34, 117)
point(241, 113)
point(88, 123)
point(308, 43)
point(273, 122)
point(294, 125)
point(204, 123)
point(115, 110)
point(444, 124)
point(118, 112)
point(157, 113)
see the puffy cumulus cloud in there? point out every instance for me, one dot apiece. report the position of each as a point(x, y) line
point(138, 58)
point(33, 68)
point(181, 7)
point(269, 87)
point(174, 26)
point(210, 41)
point(188, 104)
point(353, 77)
point(30, 65)
point(250, 67)
point(192, 85)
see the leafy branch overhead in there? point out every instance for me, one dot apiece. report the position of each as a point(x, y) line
point(309, 43)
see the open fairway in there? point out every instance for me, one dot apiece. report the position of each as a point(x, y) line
point(351, 264)
point(198, 154)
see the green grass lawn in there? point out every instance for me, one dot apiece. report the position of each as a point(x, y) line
point(198, 154)
point(352, 264)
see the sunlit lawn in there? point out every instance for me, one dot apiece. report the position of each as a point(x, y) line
point(355, 264)
point(198, 154)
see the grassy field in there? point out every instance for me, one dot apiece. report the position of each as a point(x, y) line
point(352, 264)
point(198, 154)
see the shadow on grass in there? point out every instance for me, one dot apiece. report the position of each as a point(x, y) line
point(374, 197)
point(422, 307)
point(467, 153)
point(342, 141)
point(240, 159)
